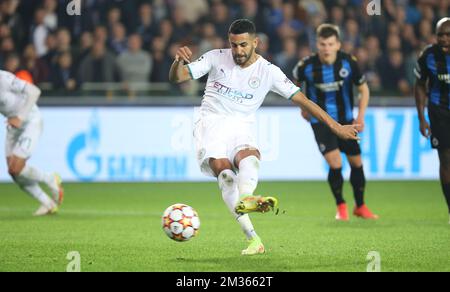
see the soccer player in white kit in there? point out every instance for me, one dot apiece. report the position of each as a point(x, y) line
point(238, 82)
point(24, 127)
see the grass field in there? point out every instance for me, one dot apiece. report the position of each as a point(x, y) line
point(116, 227)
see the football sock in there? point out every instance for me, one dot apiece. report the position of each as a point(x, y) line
point(358, 181)
point(446, 189)
point(33, 189)
point(247, 226)
point(248, 175)
point(228, 185)
point(230, 194)
point(336, 182)
point(34, 174)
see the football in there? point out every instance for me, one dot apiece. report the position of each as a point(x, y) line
point(180, 222)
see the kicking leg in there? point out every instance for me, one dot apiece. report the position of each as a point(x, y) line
point(229, 187)
point(248, 163)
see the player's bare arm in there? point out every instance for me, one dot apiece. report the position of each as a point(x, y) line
point(179, 72)
point(32, 94)
point(364, 95)
point(304, 113)
point(420, 94)
point(348, 132)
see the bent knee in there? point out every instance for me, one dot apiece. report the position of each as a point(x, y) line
point(219, 165)
point(246, 153)
point(15, 167)
point(14, 171)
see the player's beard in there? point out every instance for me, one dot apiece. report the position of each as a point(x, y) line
point(242, 59)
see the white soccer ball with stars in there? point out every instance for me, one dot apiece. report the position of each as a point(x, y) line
point(180, 222)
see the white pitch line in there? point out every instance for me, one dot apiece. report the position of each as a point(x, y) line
point(87, 212)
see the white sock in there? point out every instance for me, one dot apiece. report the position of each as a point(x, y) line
point(230, 194)
point(33, 189)
point(35, 175)
point(247, 226)
point(227, 184)
point(248, 175)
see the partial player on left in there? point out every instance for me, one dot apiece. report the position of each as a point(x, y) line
point(24, 127)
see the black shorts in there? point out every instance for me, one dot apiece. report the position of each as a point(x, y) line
point(440, 127)
point(328, 141)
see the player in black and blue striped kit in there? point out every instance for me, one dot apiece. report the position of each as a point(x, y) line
point(329, 77)
point(433, 84)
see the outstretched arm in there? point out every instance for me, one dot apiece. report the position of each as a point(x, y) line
point(348, 132)
point(179, 72)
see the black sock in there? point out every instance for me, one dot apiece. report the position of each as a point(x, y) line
point(446, 189)
point(336, 182)
point(358, 181)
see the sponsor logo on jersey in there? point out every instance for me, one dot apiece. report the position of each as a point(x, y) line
point(444, 77)
point(201, 154)
point(330, 87)
point(232, 94)
point(435, 142)
point(288, 81)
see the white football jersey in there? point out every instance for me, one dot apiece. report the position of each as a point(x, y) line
point(233, 90)
point(12, 96)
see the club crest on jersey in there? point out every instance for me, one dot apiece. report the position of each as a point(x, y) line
point(435, 142)
point(254, 82)
point(344, 73)
point(201, 154)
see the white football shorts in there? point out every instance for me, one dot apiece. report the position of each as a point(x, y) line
point(22, 142)
point(221, 137)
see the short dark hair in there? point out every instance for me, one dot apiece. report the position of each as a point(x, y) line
point(327, 30)
point(241, 26)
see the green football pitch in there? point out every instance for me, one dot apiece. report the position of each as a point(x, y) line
point(117, 227)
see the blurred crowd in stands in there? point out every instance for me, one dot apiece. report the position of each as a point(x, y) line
point(133, 41)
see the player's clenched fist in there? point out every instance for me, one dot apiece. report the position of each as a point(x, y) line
point(184, 54)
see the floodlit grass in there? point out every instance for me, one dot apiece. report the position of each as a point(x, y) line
point(117, 227)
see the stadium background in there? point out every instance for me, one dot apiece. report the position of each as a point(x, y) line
point(110, 114)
